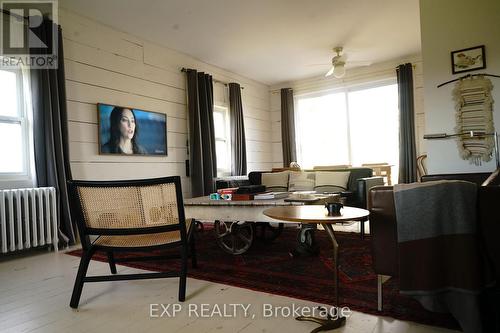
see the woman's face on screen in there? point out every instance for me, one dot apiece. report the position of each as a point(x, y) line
point(127, 124)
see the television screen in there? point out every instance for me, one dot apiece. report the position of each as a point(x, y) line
point(129, 131)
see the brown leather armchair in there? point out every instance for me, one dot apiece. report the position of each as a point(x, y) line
point(383, 227)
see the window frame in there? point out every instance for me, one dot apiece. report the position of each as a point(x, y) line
point(24, 178)
point(344, 90)
point(226, 170)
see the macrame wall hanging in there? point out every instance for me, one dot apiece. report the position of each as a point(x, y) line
point(474, 112)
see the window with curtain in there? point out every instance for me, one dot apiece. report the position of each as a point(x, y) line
point(222, 140)
point(16, 145)
point(350, 126)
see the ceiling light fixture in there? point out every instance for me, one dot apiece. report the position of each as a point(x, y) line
point(339, 62)
point(339, 69)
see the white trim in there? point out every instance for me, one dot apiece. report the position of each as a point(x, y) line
point(26, 177)
point(28, 107)
point(374, 72)
point(226, 170)
point(353, 86)
point(348, 127)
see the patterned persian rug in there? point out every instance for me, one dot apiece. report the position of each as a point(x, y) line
point(267, 267)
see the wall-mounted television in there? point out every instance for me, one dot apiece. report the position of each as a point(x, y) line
point(130, 131)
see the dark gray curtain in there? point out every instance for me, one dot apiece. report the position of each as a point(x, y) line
point(203, 160)
point(288, 127)
point(50, 129)
point(238, 143)
point(407, 146)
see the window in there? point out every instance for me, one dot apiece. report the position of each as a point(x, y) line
point(322, 131)
point(15, 130)
point(351, 126)
point(222, 141)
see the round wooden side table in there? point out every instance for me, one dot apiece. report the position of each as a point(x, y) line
point(318, 215)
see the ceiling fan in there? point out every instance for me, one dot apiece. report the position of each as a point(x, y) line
point(339, 62)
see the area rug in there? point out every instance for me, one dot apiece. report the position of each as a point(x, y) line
point(267, 267)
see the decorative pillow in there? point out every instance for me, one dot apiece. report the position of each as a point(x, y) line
point(333, 181)
point(301, 181)
point(276, 181)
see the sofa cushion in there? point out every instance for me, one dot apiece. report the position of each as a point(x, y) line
point(276, 181)
point(255, 177)
point(229, 182)
point(331, 181)
point(301, 181)
point(353, 199)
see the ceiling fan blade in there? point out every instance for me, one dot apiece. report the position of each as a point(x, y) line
point(358, 63)
point(324, 64)
point(330, 72)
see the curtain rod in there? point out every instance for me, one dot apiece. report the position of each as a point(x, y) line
point(467, 76)
point(217, 81)
point(184, 70)
point(278, 91)
point(412, 65)
point(352, 80)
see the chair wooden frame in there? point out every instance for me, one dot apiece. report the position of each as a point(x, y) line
point(186, 241)
point(381, 169)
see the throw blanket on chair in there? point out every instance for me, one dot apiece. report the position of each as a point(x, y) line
point(439, 258)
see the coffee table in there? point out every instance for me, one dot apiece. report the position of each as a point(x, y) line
point(236, 222)
point(318, 215)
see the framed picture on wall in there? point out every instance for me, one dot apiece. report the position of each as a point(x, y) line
point(128, 131)
point(466, 60)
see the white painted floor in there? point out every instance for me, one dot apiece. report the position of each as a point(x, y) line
point(35, 291)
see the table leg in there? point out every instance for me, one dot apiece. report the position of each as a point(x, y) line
point(362, 227)
point(329, 229)
point(329, 323)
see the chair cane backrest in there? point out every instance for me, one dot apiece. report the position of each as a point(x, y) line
point(128, 205)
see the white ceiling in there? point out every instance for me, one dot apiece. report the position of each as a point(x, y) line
point(270, 41)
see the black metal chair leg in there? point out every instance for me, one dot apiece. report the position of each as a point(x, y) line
point(82, 272)
point(166, 206)
point(111, 261)
point(183, 273)
point(192, 243)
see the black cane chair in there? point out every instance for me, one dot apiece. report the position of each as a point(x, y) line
point(136, 215)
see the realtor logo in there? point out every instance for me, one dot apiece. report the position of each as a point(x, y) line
point(29, 34)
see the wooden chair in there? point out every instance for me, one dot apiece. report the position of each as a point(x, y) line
point(382, 170)
point(421, 169)
point(331, 167)
point(136, 215)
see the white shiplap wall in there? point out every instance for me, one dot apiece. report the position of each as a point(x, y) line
point(105, 65)
point(357, 76)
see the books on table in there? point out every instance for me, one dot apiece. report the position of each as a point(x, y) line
point(230, 190)
point(270, 195)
